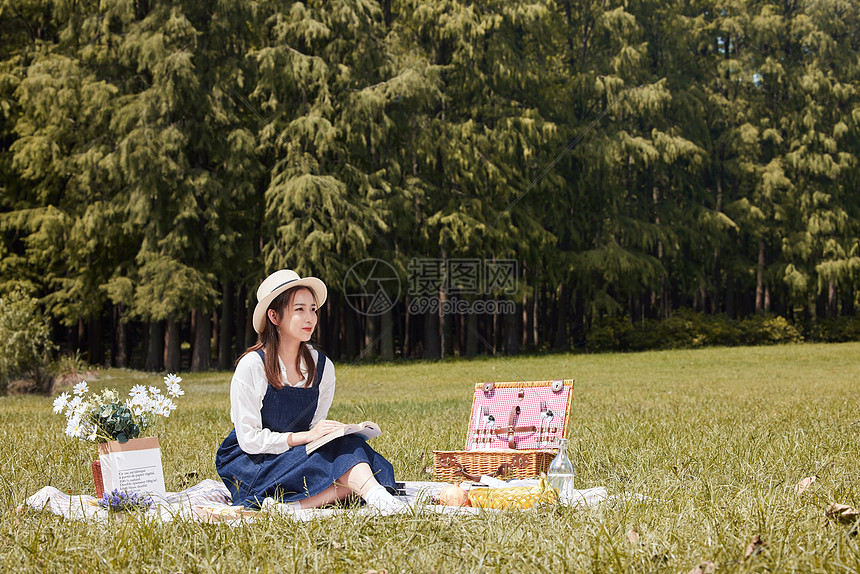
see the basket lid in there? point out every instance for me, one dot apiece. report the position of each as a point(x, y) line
point(522, 416)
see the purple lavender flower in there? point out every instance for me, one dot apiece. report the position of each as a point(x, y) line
point(118, 501)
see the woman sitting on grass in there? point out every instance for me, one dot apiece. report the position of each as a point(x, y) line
point(279, 398)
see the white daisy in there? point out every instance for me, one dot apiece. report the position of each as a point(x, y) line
point(75, 404)
point(172, 379)
point(74, 428)
point(165, 405)
point(137, 390)
point(81, 388)
point(174, 390)
point(61, 402)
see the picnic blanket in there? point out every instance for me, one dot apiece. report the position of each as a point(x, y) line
point(209, 501)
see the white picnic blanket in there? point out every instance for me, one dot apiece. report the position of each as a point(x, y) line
point(209, 501)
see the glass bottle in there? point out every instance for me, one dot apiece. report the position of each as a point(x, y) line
point(560, 473)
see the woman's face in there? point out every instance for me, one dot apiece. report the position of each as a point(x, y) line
point(299, 318)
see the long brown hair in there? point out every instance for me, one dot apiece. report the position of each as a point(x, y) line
point(269, 341)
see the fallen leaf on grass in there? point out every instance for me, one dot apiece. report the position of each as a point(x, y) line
point(633, 536)
point(842, 513)
point(185, 479)
point(804, 484)
point(754, 546)
point(706, 567)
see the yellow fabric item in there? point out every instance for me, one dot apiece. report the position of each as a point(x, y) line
point(514, 497)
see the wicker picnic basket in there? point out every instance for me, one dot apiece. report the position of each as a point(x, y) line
point(514, 431)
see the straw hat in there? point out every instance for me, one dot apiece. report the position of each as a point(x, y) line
point(277, 283)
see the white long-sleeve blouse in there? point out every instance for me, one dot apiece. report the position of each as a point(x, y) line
point(247, 390)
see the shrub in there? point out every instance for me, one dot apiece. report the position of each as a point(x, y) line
point(838, 330)
point(768, 330)
point(688, 329)
point(610, 334)
point(69, 369)
point(25, 343)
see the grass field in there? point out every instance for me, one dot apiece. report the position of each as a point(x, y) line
point(714, 441)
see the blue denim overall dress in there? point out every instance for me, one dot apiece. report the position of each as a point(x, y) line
point(293, 475)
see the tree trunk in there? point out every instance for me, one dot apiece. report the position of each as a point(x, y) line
point(371, 336)
point(349, 327)
point(528, 322)
point(471, 334)
point(848, 302)
point(172, 345)
point(406, 351)
point(512, 333)
point(731, 304)
point(331, 343)
point(578, 332)
point(759, 280)
point(387, 341)
point(431, 334)
point(120, 358)
point(79, 336)
point(549, 312)
point(201, 352)
point(225, 338)
point(832, 301)
point(241, 324)
point(215, 343)
point(95, 345)
point(717, 272)
point(496, 324)
point(154, 351)
point(561, 336)
point(447, 326)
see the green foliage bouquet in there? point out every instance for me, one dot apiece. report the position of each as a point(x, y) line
point(104, 417)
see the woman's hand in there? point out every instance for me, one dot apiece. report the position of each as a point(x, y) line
point(322, 428)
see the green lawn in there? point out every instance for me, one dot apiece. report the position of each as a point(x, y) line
point(711, 442)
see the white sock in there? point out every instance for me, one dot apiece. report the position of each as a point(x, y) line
point(380, 499)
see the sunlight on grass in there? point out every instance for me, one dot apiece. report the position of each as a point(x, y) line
point(701, 449)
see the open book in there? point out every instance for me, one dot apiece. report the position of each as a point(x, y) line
point(366, 429)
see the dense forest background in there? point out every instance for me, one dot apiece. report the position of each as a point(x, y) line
point(158, 159)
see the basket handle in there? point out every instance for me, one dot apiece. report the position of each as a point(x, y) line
point(511, 429)
point(503, 469)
